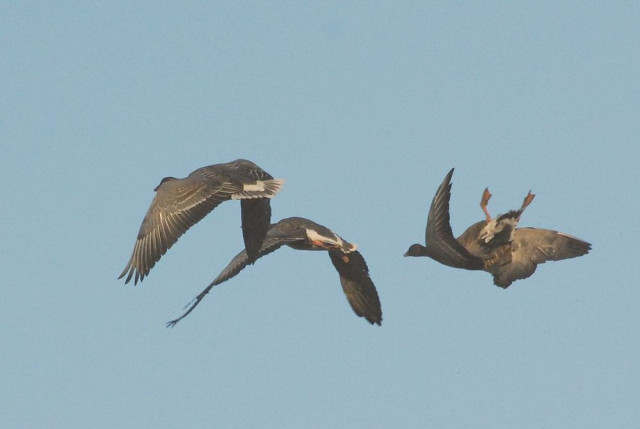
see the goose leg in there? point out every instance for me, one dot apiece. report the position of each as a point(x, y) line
point(527, 200)
point(486, 196)
point(525, 203)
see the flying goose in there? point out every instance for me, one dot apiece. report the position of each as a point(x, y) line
point(304, 234)
point(493, 245)
point(181, 203)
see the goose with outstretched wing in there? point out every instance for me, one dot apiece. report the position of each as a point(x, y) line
point(304, 234)
point(494, 245)
point(181, 203)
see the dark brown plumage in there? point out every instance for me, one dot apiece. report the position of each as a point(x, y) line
point(303, 234)
point(181, 203)
point(493, 245)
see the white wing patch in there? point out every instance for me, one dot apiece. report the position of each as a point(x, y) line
point(334, 241)
point(259, 189)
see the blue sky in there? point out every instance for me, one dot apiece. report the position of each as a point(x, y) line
point(362, 107)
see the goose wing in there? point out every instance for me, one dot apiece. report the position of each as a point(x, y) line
point(258, 187)
point(533, 246)
point(357, 285)
point(278, 235)
point(439, 236)
point(177, 206)
point(256, 216)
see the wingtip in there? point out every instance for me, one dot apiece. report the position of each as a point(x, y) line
point(577, 246)
point(446, 182)
point(450, 174)
point(375, 321)
point(253, 254)
point(129, 272)
point(126, 271)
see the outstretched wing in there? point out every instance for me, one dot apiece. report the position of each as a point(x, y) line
point(178, 205)
point(533, 246)
point(357, 285)
point(439, 236)
point(279, 234)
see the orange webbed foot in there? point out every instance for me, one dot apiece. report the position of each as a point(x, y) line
point(486, 196)
point(527, 200)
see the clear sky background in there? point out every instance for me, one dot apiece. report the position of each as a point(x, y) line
point(362, 107)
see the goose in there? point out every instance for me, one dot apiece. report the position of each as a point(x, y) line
point(493, 245)
point(304, 234)
point(181, 203)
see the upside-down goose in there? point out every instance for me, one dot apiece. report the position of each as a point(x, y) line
point(493, 245)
